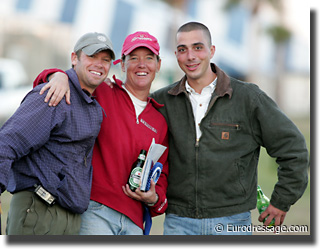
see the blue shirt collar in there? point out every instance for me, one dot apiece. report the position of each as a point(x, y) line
point(73, 79)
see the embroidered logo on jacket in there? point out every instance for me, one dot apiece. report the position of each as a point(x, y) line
point(148, 125)
point(162, 205)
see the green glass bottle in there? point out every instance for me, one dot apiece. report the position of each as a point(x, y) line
point(262, 204)
point(136, 171)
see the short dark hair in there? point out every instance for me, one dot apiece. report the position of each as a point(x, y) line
point(187, 27)
point(78, 54)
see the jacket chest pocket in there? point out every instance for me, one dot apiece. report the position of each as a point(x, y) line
point(224, 130)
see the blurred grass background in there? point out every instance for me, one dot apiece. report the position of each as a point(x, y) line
point(298, 215)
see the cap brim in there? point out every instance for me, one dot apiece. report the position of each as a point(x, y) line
point(95, 48)
point(128, 51)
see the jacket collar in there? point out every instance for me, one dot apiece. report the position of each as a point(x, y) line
point(223, 86)
point(150, 100)
point(73, 78)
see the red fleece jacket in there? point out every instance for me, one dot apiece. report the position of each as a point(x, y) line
point(119, 142)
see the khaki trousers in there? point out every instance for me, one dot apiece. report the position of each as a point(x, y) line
point(28, 215)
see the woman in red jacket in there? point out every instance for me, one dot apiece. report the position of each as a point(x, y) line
point(130, 123)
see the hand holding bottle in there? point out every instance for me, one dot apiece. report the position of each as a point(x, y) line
point(132, 188)
point(272, 213)
point(269, 215)
point(149, 197)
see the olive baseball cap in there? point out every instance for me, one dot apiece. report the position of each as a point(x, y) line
point(92, 43)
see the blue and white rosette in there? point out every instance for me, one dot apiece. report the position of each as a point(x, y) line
point(154, 174)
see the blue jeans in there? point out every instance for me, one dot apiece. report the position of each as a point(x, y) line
point(238, 224)
point(102, 220)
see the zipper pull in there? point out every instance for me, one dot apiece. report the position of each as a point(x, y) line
point(137, 120)
point(197, 143)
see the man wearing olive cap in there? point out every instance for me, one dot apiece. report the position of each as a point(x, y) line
point(46, 152)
